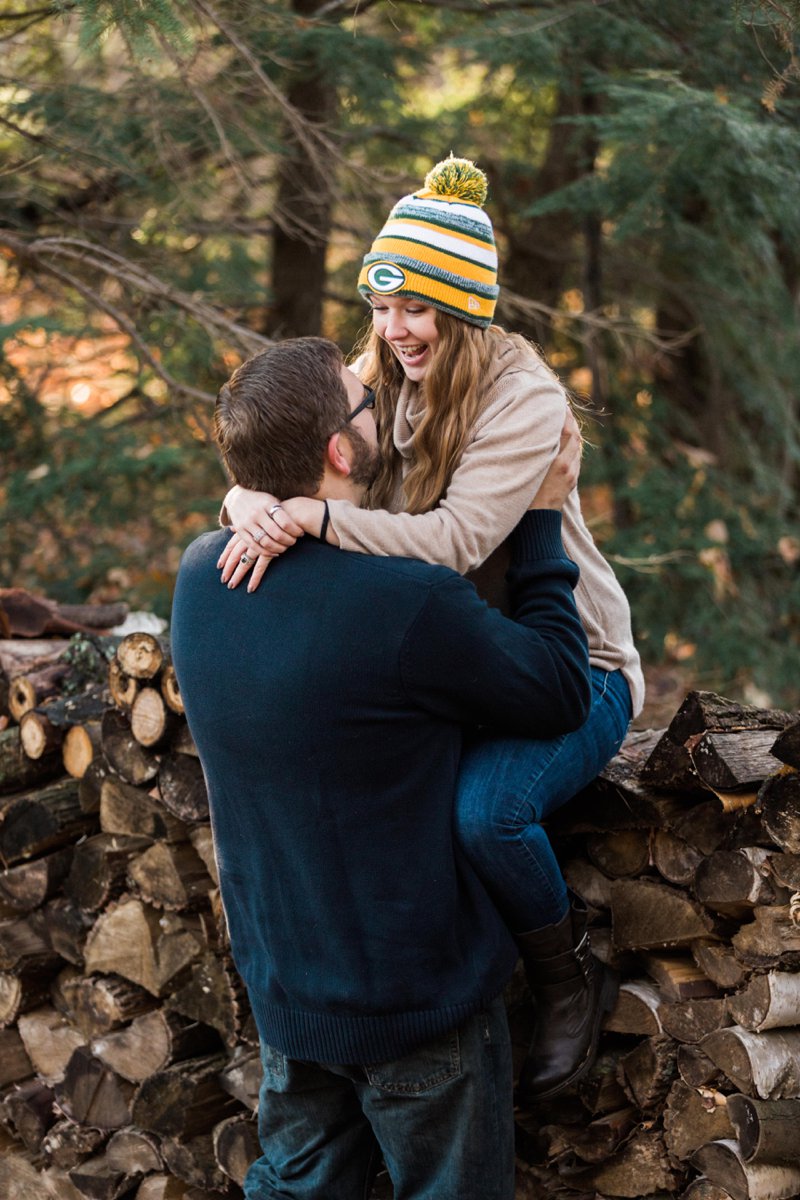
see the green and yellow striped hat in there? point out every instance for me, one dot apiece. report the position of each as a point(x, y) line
point(438, 246)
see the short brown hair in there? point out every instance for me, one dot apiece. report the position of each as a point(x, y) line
point(274, 415)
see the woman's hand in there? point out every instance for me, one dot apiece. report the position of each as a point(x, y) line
point(261, 521)
point(562, 474)
point(264, 530)
point(244, 554)
point(236, 562)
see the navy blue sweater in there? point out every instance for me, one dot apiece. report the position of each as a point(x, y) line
point(327, 708)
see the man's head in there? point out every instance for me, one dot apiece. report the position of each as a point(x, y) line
point(281, 417)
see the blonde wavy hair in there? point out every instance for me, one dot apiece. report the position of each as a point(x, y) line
point(454, 395)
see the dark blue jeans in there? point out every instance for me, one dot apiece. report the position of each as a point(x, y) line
point(441, 1117)
point(508, 785)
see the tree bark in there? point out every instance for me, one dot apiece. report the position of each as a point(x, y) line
point(787, 745)
point(302, 211)
point(779, 800)
point(766, 1129)
point(17, 771)
point(767, 1064)
point(722, 1163)
point(41, 821)
point(768, 1002)
point(185, 1099)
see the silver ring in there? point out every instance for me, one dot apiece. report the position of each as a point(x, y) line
point(272, 510)
point(245, 560)
point(259, 540)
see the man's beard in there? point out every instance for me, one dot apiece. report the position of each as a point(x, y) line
point(366, 459)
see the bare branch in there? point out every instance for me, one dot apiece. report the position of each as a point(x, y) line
point(43, 255)
point(31, 12)
point(318, 147)
point(583, 325)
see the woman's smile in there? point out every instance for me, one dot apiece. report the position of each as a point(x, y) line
point(409, 328)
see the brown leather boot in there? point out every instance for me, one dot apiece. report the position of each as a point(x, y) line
point(572, 991)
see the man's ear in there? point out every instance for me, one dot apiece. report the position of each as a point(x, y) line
point(335, 453)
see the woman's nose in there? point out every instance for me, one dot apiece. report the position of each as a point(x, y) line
point(395, 326)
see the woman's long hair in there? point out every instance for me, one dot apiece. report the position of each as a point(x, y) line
point(453, 393)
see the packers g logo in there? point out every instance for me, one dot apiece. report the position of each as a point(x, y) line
point(385, 278)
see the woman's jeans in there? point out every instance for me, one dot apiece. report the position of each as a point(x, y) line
point(508, 785)
point(441, 1117)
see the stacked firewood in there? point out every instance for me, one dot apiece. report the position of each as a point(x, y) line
point(129, 1061)
point(687, 849)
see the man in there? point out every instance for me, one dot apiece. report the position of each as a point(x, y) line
point(328, 710)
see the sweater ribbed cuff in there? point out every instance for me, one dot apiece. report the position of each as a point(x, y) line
point(538, 536)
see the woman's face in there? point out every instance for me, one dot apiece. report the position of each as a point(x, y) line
point(409, 327)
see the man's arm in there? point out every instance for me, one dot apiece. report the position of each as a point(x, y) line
point(465, 661)
point(529, 674)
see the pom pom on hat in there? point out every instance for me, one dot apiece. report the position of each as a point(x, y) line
point(438, 246)
point(458, 179)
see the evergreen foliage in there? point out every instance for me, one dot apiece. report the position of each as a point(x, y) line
point(182, 181)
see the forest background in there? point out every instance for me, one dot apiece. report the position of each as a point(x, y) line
point(182, 182)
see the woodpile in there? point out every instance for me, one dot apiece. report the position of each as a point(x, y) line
point(129, 1061)
point(687, 849)
point(128, 1058)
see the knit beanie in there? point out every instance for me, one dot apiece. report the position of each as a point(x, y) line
point(438, 246)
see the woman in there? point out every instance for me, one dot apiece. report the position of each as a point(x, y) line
point(469, 419)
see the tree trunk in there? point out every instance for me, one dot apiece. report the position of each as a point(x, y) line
point(172, 877)
point(637, 1009)
point(182, 787)
point(151, 1043)
point(302, 211)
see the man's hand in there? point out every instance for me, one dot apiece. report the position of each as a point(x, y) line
point(563, 472)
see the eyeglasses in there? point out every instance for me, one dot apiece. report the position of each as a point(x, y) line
point(367, 402)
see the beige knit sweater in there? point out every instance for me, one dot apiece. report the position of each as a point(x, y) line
point(513, 443)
